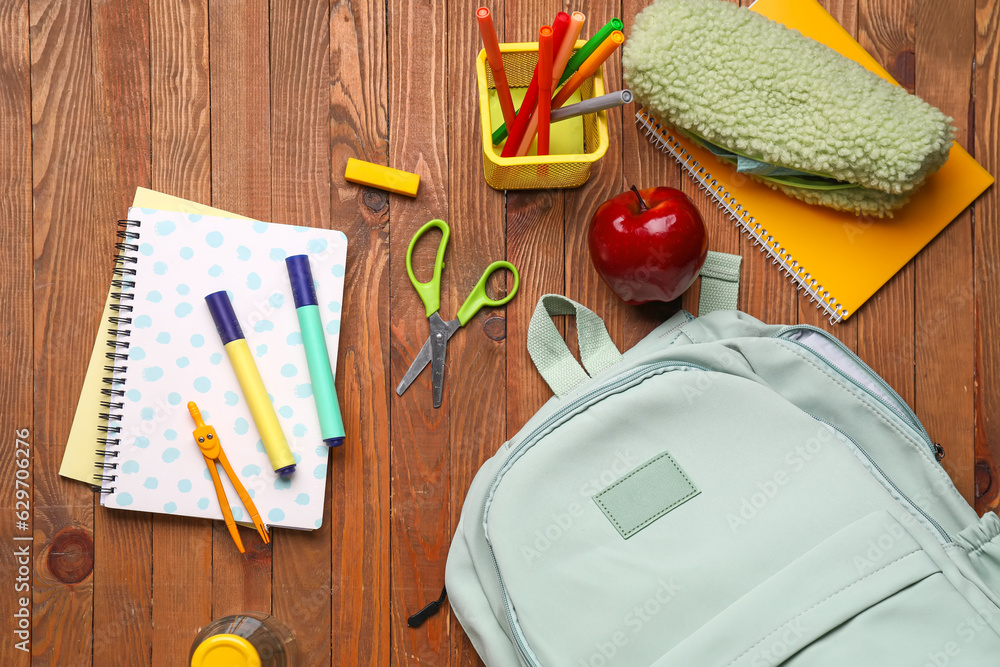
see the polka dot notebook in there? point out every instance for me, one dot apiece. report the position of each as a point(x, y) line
point(167, 352)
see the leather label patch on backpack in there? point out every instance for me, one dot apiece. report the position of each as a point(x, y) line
point(645, 494)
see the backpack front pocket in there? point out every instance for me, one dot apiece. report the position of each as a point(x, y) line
point(868, 595)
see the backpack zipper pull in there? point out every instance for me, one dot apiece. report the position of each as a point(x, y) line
point(418, 619)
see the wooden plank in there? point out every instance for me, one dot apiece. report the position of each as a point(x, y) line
point(534, 245)
point(16, 379)
point(845, 12)
point(238, 36)
point(300, 164)
point(986, 124)
point(475, 378)
point(420, 484)
point(535, 238)
point(765, 291)
point(359, 505)
point(123, 540)
point(67, 286)
point(238, 41)
point(886, 322)
point(181, 166)
point(179, 96)
point(943, 272)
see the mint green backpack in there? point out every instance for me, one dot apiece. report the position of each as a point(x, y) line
point(724, 493)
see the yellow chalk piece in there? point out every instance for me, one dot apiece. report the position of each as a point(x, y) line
point(385, 178)
point(260, 406)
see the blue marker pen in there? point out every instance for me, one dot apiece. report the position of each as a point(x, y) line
point(331, 424)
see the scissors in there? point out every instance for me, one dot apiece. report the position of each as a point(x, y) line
point(434, 350)
point(211, 449)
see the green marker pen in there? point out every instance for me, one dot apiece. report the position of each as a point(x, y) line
point(331, 424)
point(578, 58)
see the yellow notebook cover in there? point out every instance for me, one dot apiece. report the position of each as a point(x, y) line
point(81, 453)
point(838, 258)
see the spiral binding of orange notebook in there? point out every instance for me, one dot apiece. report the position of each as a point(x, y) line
point(839, 259)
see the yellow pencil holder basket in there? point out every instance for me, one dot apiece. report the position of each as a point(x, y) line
point(546, 171)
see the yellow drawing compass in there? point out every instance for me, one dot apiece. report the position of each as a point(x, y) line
point(211, 449)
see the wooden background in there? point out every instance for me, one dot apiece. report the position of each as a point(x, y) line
point(255, 107)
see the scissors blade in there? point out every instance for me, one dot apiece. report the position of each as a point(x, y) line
point(423, 358)
point(419, 363)
point(439, 346)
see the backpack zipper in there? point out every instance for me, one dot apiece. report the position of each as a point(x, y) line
point(881, 477)
point(904, 413)
point(636, 376)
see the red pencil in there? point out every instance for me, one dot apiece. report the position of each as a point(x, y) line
point(516, 133)
point(544, 87)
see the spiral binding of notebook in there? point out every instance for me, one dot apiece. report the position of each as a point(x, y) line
point(114, 372)
point(661, 135)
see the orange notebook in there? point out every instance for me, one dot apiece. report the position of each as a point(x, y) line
point(840, 259)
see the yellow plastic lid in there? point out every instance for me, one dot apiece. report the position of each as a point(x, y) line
point(225, 651)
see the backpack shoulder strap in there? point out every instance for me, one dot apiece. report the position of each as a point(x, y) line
point(552, 357)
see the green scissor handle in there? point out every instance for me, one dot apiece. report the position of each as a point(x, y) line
point(478, 298)
point(429, 292)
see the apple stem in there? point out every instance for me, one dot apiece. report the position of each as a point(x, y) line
point(642, 204)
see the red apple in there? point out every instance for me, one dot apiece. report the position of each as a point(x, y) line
point(648, 245)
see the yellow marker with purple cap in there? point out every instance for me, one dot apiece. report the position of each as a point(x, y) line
point(331, 423)
point(251, 383)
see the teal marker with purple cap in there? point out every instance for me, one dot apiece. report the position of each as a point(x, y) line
point(331, 423)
